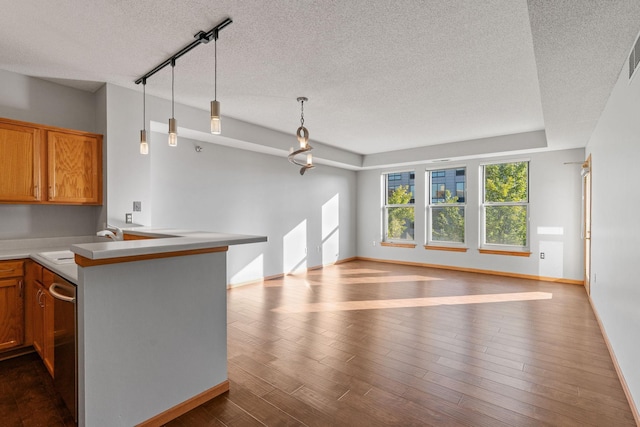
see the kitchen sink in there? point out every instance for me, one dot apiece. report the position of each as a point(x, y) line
point(59, 257)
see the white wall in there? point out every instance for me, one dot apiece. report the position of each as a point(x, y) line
point(615, 289)
point(228, 189)
point(231, 190)
point(555, 201)
point(37, 101)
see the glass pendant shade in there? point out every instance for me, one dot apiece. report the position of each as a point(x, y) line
point(173, 132)
point(303, 136)
point(309, 159)
point(216, 126)
point(144, 146)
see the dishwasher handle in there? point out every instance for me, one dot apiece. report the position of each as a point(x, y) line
point(56, 294)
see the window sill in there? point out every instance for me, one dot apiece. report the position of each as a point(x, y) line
point(507, 253)
point(398, 245)
point(446, 248)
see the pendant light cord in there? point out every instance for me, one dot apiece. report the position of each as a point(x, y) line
point(173, 66)
point(144, 104)
point(301, 113)
point(215, 68)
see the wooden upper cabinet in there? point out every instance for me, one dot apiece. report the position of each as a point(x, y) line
point(44, 164)
point(75, 168)
point(20, 171)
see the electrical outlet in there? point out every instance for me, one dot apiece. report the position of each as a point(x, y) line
point(541, 255)
point(137, 206)
point(128, 218)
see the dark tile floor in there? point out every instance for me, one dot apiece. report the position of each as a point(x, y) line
point(27, 396)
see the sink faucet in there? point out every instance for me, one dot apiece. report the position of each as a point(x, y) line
point(112, 232)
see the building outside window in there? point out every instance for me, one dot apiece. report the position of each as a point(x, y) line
point(399, 212)
point(505, 207)
point(446, 207)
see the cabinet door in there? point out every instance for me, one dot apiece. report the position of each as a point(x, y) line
point(36, 302)
point(48, 332)
point(75, 168)
point(20, 172)
point(11, 313)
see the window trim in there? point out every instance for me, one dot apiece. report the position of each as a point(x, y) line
point(440, 245)
point(502, 249)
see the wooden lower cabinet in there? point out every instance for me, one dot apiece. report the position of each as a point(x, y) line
point(41, 310)
point(11, 304)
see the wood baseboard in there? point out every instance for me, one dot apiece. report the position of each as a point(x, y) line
point(623, 382)
point(479, 271)
point(16, 352)
point(186, 406)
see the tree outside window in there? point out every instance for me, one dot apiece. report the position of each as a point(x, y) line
point(446, 210)
point(399, 206)
point(506, 204)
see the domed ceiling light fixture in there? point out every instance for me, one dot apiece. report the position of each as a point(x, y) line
point(303, 138)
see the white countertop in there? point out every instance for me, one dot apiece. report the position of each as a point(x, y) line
point(91, 247)
point(164, 240)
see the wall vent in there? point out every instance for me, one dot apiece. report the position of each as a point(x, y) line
point(634, 57)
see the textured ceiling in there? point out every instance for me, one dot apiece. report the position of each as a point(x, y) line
point(380, 75)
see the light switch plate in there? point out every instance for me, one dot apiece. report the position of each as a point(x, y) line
point(137, 206)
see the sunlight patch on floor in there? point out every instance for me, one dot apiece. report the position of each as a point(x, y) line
point(412, 302)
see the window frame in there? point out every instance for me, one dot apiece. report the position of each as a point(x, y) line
point(386, 206)
point(484, 204)
point(430, 205)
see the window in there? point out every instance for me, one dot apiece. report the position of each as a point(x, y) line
point(399, 206)
point(446, 210)
point(505, 204)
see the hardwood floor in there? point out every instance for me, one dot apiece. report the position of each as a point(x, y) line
point(371, 344)
point(27, 396)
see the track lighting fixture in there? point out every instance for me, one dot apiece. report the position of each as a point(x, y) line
point(144, 145)
point(201, 37)
point(303, 138)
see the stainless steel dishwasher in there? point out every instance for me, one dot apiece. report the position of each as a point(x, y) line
point(65, 351)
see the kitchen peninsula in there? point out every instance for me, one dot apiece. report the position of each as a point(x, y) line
point(152, 330)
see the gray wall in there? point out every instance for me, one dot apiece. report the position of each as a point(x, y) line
point(309, 220)
point(615, 290)
point(555, 201)
point(33, 100)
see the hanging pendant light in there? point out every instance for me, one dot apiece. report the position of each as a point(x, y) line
point(201, 37)
point(173, 126)
point(303, 138)
point(144, 146)
point(216, 126)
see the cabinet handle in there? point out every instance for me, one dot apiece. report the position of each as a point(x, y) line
point(53, 290)
point(36, 190)
point(20, 286)
point(50, 192)
point(39, 296)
